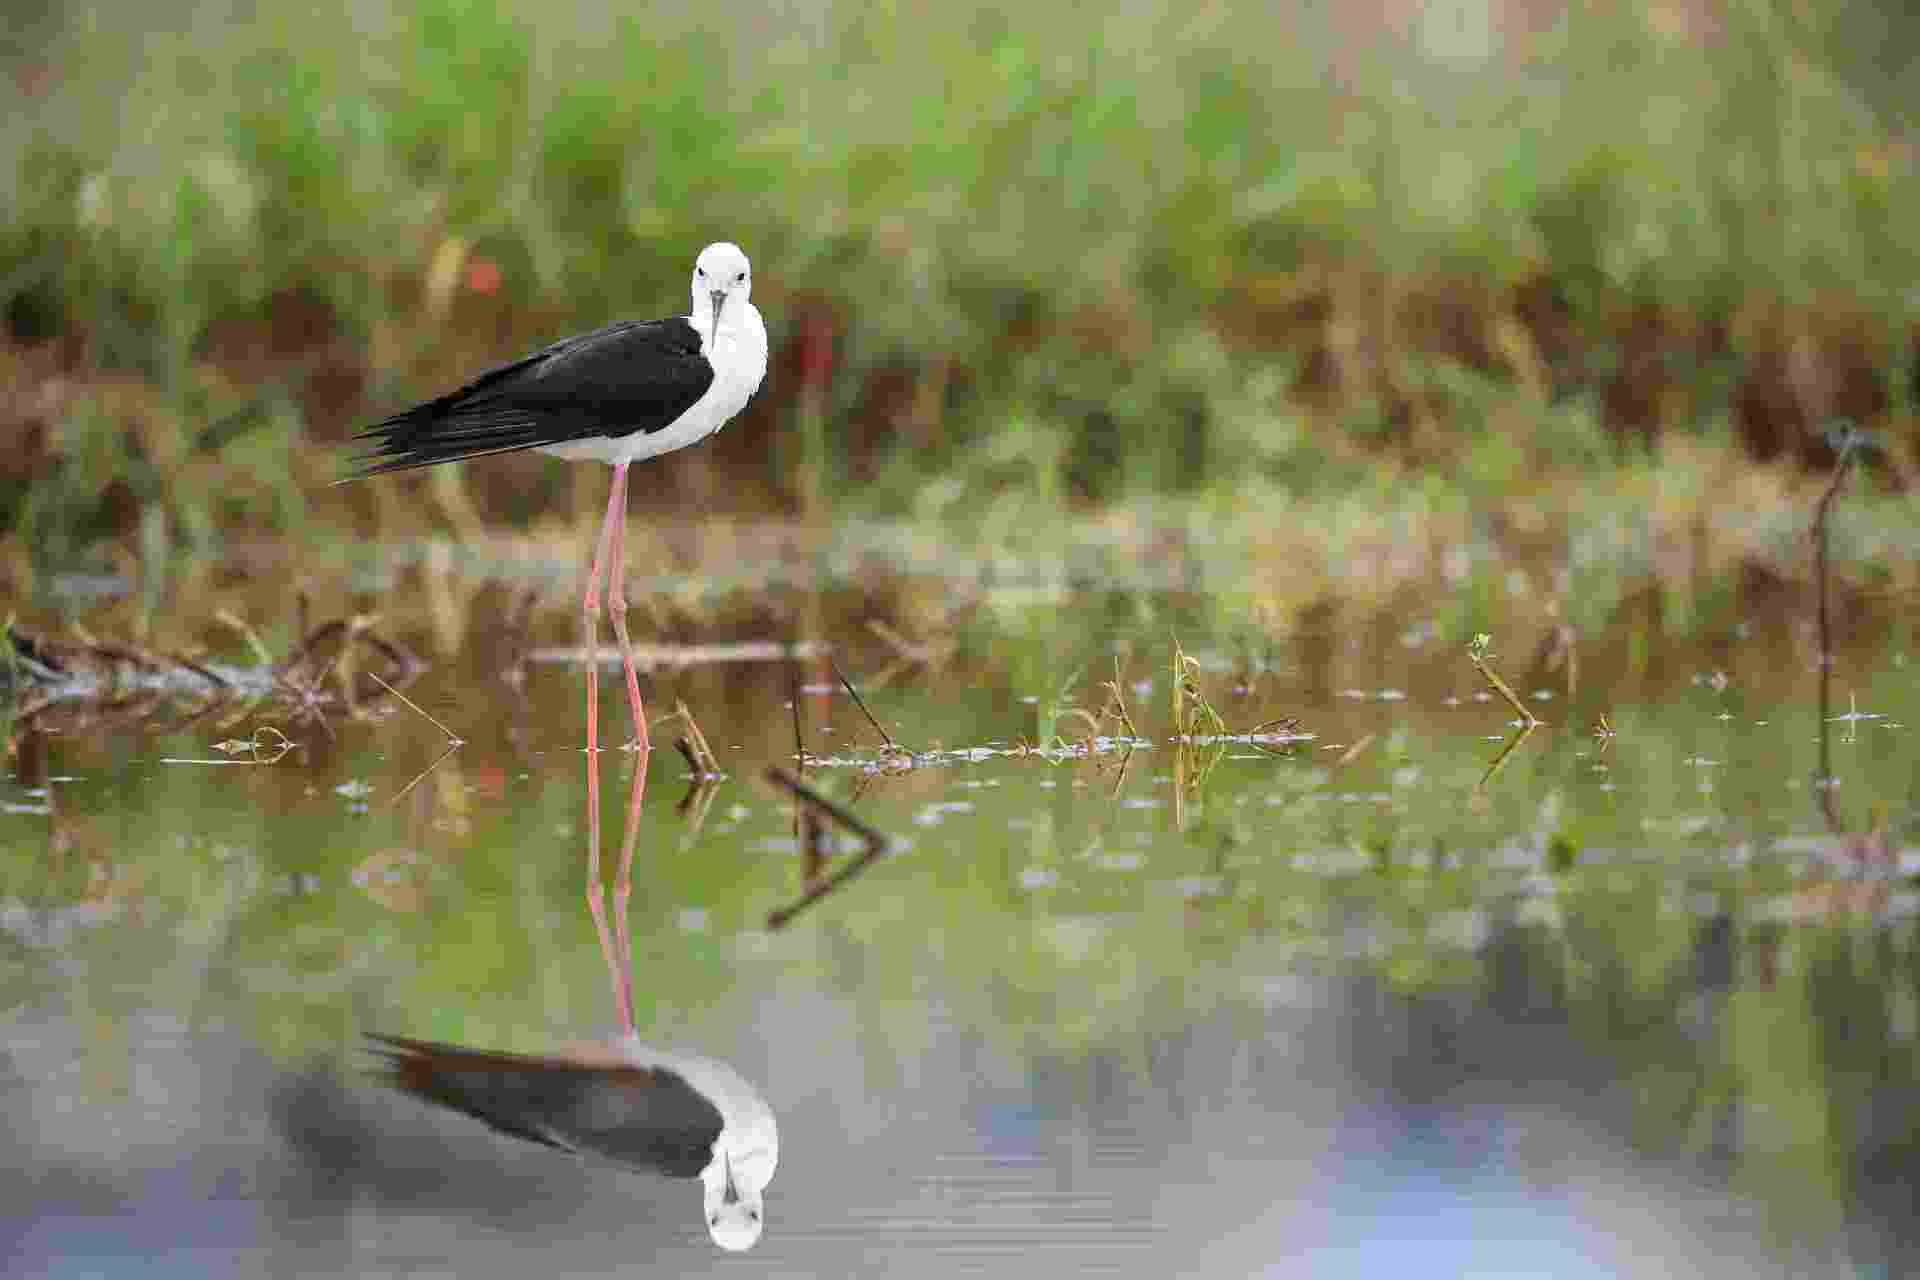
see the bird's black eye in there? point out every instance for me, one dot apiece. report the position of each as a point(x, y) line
point(753, 1216)
point(742, 276)
point(700, 271)
point(714, 1221)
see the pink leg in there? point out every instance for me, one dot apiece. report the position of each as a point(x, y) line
point(617, 606)
point(590, 609)
point(643, 746)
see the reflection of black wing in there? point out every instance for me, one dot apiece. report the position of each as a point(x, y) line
point(638, 375)
point(646, 1118)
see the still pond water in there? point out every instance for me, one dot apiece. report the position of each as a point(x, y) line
point(1636, 1002)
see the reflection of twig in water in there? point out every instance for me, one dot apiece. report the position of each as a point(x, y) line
point(520, 629)
point(819, 807)
point(1120, 775)
point(1822, 512)
point(1278, 727)
point(1197, 732)
point(1098, 830)
point(1506, 753)
point(265, 738)
point(695, 805)
point(1355, 751)
point(1876, 844)
point(1604, 732)
point(799, 743)
point(419, 777)
point(1854, 715)
point(816, 848)
point(816, 835)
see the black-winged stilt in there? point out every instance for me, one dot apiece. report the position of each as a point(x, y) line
point(630, 391)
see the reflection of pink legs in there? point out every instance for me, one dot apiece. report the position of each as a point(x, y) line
point(609, 564)
point(616, 949)
point(622, 889)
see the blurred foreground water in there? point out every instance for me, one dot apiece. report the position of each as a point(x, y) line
point(1634, 1002)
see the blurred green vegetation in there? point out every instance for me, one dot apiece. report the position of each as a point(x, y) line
point(1010, 254)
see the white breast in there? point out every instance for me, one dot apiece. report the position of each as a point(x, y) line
point(738, 354)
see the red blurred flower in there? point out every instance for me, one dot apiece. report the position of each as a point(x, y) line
point(483, 276)
point(490, 780)
point(816, 353)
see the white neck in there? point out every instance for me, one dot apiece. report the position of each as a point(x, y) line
point(740, 344)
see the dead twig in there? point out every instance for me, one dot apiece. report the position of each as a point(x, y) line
point(453, 739)
point(1477, 653)
point(860, 702)
point(1117, 703)
point(694, 746)
point(1506, 754)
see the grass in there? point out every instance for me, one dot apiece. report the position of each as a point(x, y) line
point(1013, 263)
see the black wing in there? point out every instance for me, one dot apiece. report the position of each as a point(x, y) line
point(646, 1118)
point(637, 375)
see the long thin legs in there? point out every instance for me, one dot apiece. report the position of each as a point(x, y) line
point(609, 565)
point(617, 607)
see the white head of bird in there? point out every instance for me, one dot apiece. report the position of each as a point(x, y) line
point(733, 1202)
point(722, 283)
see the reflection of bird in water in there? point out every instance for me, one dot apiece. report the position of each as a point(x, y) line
point(677, 1114)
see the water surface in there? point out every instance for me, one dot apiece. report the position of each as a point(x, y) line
point(1641, 1000)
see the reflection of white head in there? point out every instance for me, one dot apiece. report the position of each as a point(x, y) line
point(733, 1206)
point(745, 1153)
